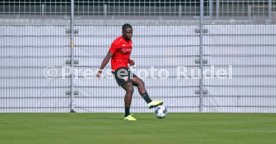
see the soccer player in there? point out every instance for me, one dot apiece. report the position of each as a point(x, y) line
point(119, 53)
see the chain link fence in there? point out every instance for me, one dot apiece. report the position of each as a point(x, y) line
point(173, 9)
point(40, 43)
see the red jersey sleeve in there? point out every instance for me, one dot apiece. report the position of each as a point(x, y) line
point(114, 47)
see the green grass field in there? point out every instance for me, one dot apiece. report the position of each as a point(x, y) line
point(105, 128)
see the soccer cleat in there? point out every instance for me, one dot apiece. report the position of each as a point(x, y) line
point(130, 118)
point(153, 104)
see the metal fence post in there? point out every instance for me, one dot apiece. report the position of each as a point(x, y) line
point(201, 56)
point(105, 10)
point(249, 12)
point(217, 9)
point(42, 10)
point(269, 10)
point(179, 10)
point(211, 8)
point(72, 57)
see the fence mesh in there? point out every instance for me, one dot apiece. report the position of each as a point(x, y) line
point(36, 53)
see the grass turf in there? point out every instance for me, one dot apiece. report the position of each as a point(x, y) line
point(109, 128)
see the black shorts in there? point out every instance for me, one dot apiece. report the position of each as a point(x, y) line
point(123, 75)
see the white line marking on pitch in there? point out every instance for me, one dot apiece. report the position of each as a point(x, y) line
point(253, 131)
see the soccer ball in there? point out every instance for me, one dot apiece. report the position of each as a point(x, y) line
point(160, 111)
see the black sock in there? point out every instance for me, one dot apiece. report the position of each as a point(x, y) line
point(146, 97)
point(127, 111)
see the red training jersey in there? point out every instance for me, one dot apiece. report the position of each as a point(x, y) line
point(121, 50)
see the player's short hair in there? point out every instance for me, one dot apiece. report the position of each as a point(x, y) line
point(125, 26)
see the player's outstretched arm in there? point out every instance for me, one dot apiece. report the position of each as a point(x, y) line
point(131, 62)
point(105, 61)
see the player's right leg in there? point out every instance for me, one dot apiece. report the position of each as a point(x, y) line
point(128, 87)
point(123, 80)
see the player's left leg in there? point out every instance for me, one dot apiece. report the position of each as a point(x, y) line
point(143, 92)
